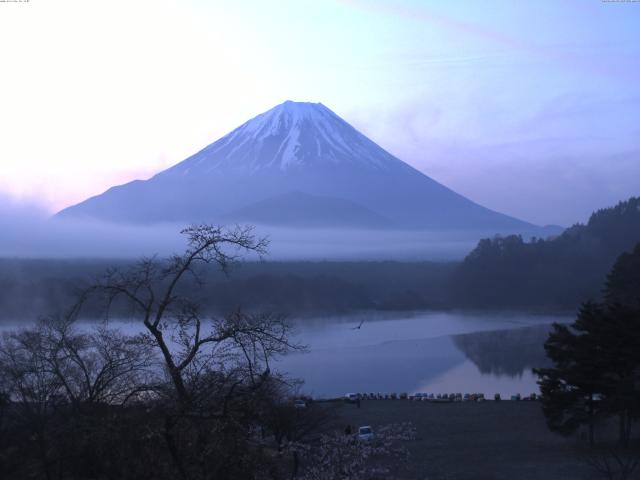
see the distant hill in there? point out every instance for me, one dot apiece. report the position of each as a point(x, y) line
point(297, 209)
point(509, 272)
point(296, 164)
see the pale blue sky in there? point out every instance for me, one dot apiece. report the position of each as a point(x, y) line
point(531, 108)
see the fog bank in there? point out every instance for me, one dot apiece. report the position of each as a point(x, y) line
point(28, 232)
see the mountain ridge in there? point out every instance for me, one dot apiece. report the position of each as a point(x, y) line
point(293, 147)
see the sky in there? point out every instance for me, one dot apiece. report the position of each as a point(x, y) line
point(529, 108)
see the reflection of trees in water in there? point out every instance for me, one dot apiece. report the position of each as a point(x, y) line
point(505, 352)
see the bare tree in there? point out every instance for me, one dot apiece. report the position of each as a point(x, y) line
point(33, 389)
point(56, 376)
point(183, 398)
point(102, 365)
point(218, 367)
point(156, 292)
point(613, 464)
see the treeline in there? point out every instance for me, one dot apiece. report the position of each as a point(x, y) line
point(557, 273)
point(32, 288)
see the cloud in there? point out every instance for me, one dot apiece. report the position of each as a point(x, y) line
point(28, 231)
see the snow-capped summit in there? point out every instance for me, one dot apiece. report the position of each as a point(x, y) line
point(289, 135)
point(298, 164)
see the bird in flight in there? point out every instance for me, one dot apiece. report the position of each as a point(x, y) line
point(359, 325)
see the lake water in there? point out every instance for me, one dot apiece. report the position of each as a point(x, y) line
point(432, 352)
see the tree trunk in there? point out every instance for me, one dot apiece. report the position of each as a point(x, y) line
point(621, 429)
point(591, 423)
point(296, 465)
point(171, 445)
point(625, 428)
point(44, 460)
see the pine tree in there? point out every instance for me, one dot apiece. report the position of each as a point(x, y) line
point(623, 283)
point(596, 359)
point(571, 390)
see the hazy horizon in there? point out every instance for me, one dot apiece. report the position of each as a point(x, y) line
point(30, 233)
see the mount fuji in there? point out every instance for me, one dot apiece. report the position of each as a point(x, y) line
point(296, 165)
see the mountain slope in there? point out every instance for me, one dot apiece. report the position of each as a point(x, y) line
point(297, 209)
point(301, 147)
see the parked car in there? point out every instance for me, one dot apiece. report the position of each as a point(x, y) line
point(365, 433)
point(299, 403)
point(442, 398)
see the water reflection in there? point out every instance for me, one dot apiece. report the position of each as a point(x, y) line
point(431, 352)
point(505, 352)
point(465, 378)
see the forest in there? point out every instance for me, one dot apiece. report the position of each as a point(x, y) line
point(555, 273)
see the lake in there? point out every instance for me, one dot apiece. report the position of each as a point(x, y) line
point(431, 352)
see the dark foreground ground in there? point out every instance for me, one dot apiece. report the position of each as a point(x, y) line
point(488, 440)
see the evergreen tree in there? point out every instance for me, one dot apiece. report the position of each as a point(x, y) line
point(623, 283)
point(622, 340)
point(596, 370)
point(620, 354)
point(571, 390)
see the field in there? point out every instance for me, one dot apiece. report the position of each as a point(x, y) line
point(488, 440)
